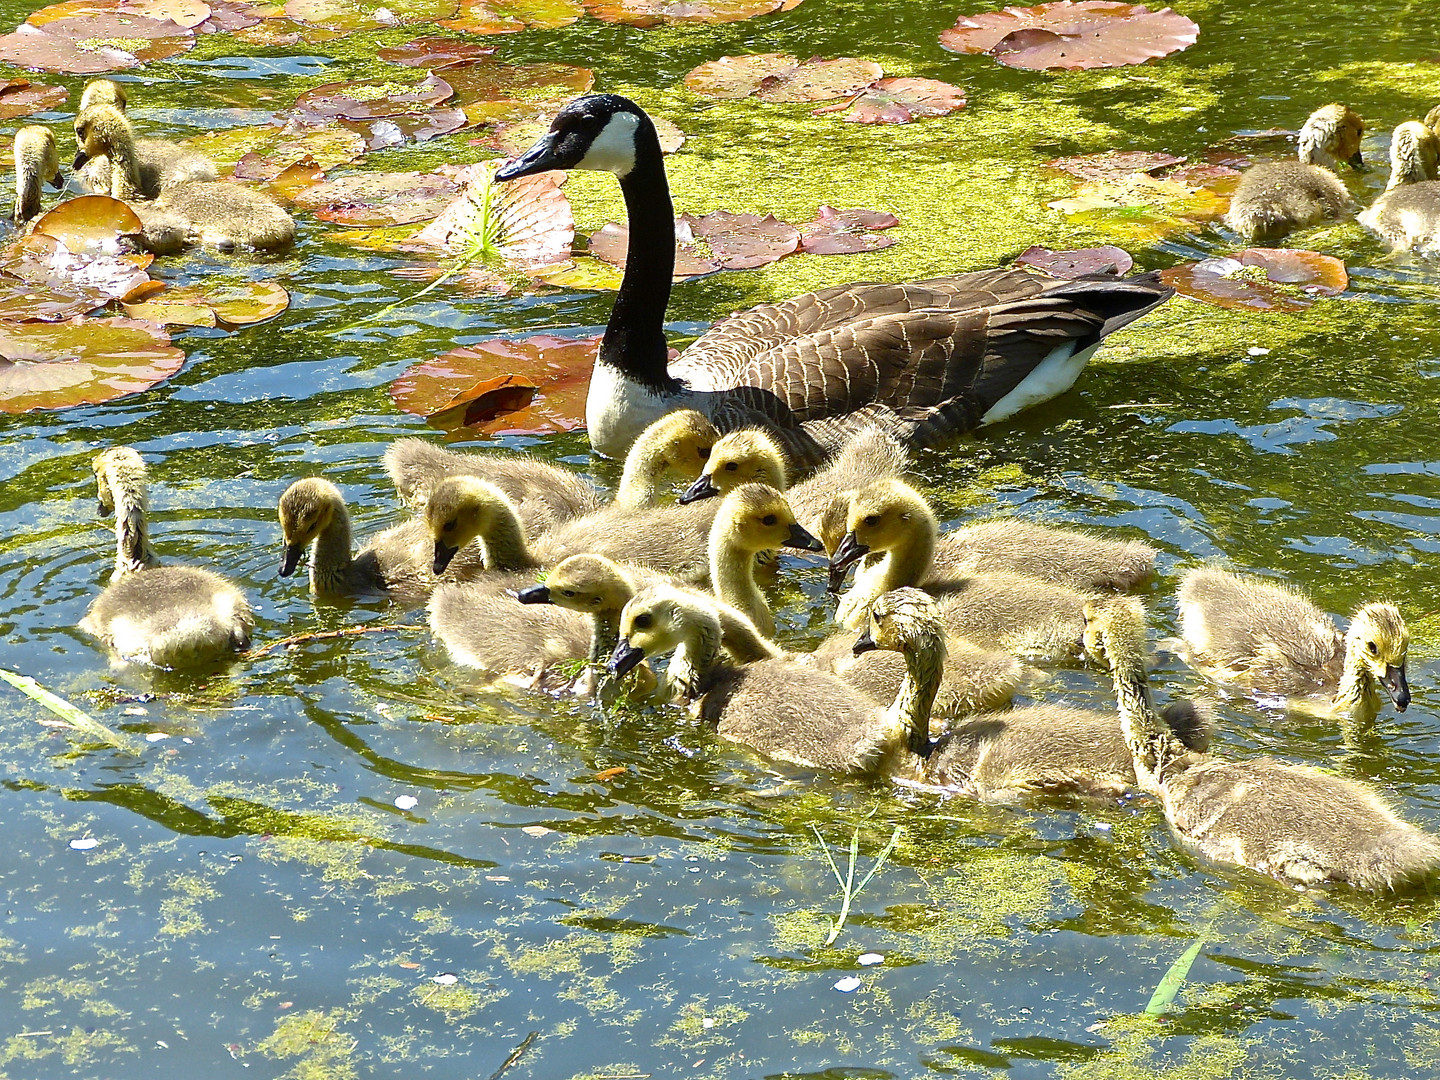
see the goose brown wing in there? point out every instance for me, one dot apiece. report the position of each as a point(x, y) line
point(717, 359)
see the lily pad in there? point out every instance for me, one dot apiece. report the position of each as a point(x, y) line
point(21, 301)
point(20, 97)
point(263, 153)
point(228, 16)
point(183, 13)
point(470, 281)
point(1078, 262)
point(347, 16)
point(512, 16)
point(780, 77)
point(1072, 34)
point(899, 101)
point(81, 362)
point(368, 99)
point(91, 223)
point(491, 80)
point(1262, 279)
point(581, 273)
point(556, 372)
point(744, 241)
point(610, 244)
point(846, 232)
point(45, 261)
point(305, 173)
point(433, 52)
point(1141, 207)
point(379, 199)
point(525, 221)
point(229, 303)
point(412, 127)
point(648, 13)
point(91, 44)
point(1114, 164)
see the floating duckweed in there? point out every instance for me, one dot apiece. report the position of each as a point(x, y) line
point(457, 1000)
point(76, 1047)
point(313, 1037)
point(700, 1026)
point(180, 913)
point(1139, 1053)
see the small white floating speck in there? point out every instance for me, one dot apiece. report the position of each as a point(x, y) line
point(156, 736)
point(1103, 826)
point(406, 802)
point(848, 985)
point(445, 979)
point(707, 1022)
point(870, 959)
point(1255, 350)
point(84, 843)
point(136, 710)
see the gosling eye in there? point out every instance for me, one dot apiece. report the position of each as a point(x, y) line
point(704, 452)
point(643, 621)
point(732, 466)
point(567, 592)
point(450, 525)
point(872, 520)
point(768, 519)
point(1374, 648)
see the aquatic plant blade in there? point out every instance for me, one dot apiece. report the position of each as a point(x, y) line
point(899, 101)
point(379, 199)
point(648, 13)
point(557, 368)
point(434, 52)
point(780, 77)
point(21, 97)
point(846, 232)
point(1173, 980)
point(72, 714)
point(81, 362)
point(512, 16)
point(1072, 34)
point(1114, 165)
point(1260, 279)
point(1107, 259)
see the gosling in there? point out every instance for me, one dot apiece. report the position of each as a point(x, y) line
point(36, 162)
point(1406, 215)
point(110, 160)
point(161, 616)
point(1275, 198)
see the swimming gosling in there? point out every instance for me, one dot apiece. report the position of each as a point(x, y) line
point(37, 162)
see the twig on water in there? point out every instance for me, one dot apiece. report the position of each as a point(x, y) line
point(848, 889)
point(515, 1055)
point(327, 635)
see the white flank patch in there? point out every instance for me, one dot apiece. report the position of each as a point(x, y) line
point(613, 150)
point(1050, 378)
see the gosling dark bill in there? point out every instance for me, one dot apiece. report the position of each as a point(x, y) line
point(443, 554)
point(864, 643)
point(702, 488)
point(625, 659)
point(291, 559)
point(1397, 686)
point(534, 594)
point(801, 539)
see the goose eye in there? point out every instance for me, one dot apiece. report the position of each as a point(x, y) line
point(872, 520)
point(731, 466)
point(642, 622)
point(768, 519)
point(704, 452)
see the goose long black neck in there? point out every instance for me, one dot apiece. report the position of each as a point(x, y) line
point(634, 341)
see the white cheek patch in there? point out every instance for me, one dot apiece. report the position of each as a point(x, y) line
point(613, 150)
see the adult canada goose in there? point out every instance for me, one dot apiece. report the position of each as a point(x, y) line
point(1272, 640)
point(164, 616)
point(753, 456)
point(1278, 197)
point(1048, 749)
point(1406, 215)
point(892, 529)
point(36, 162)
point(110, 160)
point(398, 561)
point(1292, 822)
point(927, 361)
point(787, 711)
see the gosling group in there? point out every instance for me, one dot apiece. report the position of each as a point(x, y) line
point(531, 578)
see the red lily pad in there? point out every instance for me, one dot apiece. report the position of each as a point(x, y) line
point(413, 127)
point(305, 173)
point(227, 16)
point(512, 16)
point(347, 16)
point(648, 13)
point(373, 199)
point(1072, 34)
point(44, 261)
point(184, 13)
point(524, 222)
point(81, 362)
point(744, 241)
point(491, 80)
point(781, 77)
point(556, 372)
point(610, 244)
point(214, 302)
point(94, 43)
point(1078, 262)
point(1263, 279)
point(899, 101)
point(1114, 164)
point(846, 232)
point(1201, 174)
point(368, 99)
point(20, 97)
point(434, 52)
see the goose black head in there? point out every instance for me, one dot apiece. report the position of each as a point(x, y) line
point(597, 131)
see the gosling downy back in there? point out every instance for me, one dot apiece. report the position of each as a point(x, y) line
point(37, 162)
point(1276, 198)
point(1406, 215)
point(228, 216)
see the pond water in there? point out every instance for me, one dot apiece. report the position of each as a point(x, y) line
point(624, 897)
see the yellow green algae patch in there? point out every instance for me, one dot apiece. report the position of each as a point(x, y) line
point(314, 1042)
point(1141, 1050)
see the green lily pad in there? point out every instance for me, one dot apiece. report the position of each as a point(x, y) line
point(231, 303)
point(91, 223)
point(81, 362)
point(22, 302)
